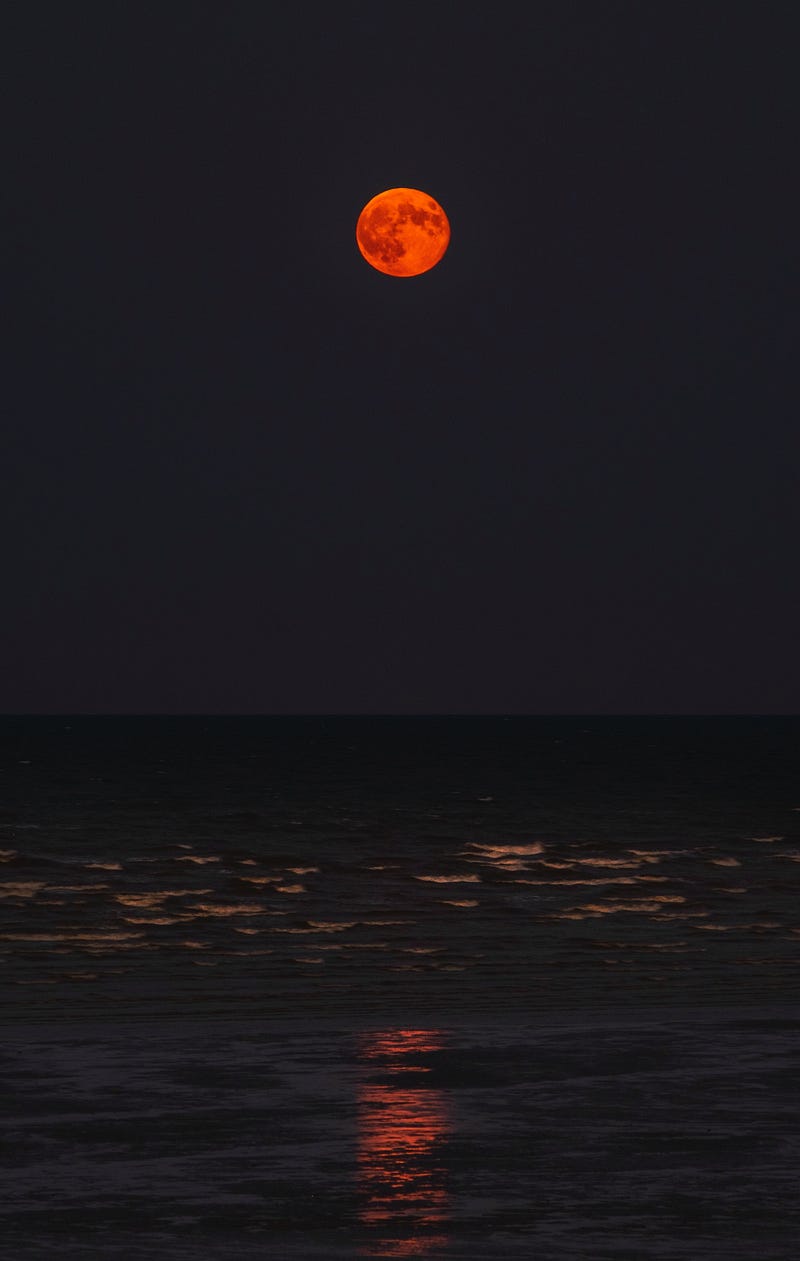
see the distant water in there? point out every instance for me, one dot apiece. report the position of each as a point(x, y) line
point(449, 866)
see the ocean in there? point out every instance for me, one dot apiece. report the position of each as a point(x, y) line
point(455, 987)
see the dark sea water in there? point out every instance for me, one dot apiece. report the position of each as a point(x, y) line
point(457, 987)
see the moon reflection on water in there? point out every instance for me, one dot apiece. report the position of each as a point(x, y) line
point(402, 1124)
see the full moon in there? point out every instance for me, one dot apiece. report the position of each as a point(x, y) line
point(402, 232)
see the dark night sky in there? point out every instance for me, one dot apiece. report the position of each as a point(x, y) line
point(244, 472)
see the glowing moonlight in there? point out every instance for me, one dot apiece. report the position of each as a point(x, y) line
point(402, 232)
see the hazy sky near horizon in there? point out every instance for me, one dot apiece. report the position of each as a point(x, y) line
point(244, 472)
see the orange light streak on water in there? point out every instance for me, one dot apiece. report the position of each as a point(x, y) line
point(400, 1176)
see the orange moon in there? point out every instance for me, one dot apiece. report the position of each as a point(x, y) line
point(402, 232)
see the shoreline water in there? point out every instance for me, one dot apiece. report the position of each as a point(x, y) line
point(664, 1134)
